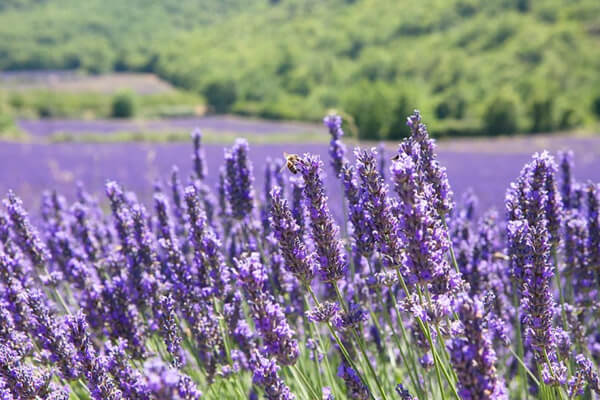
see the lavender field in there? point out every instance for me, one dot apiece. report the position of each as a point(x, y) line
point(485, 166)
point(41, 128)
point(463, 271)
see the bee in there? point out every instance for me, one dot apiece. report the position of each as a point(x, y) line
point(290, 162)
point(500, 256)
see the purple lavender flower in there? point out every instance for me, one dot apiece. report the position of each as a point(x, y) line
point(424, 236)
point(519, 249)
point(177, 195)
point(298, 260)
point(144, 274)
point(165, 382)
point(102, 385)
point(224, 206)
point(332, 261)
point(590, 377)
point(473, 356)
point(297, 205)
point(26, 235)
point(326, 394)
point(268, 316)
point(362, 232)
point(169, 328)
point(174, 267)
point(266, 206)
point(19, 380)
point(404, 393)
point(50, 335)
point(198, 156)
point(538, 302)
point(355, 388)
point(324, 312)
point(434, 173)
point(84, 231)
point(117, 362)
point(240, 192)
point(351, 318)
point(566, 169)
point(576, 266)
point(264, 374)
point(211, 266)
point(123, 317)
point(593, 219)
point(123, 220)
point(379, 206)
point(554, 212)
point(337, 150)
point(382, 159)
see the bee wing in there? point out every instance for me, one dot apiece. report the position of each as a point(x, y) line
point(286, 157)
point(500, 256)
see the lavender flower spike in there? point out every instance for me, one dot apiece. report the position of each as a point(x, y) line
point(264, 374)
point(379, 206)
point(27, 236)
point(355, 387)
point(239, 180)
point(473, 356)
point(538, 302)
point(298, 260)
point(337, 150)
point(198, 157)
point(333, 263)
point(425, 238)
point(566, 169)
point(268, 316)
point(433, 171)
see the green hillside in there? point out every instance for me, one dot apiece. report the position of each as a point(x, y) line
point(473, 66)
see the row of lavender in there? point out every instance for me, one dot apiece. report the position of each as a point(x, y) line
point(239, 294)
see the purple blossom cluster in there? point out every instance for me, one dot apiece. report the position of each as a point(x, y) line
point(209, 292)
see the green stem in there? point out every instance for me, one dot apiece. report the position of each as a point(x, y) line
point(436, 360)
point(360, 344)
point(412, 368)
point(339, 342)
point(305, 383)
point(520, 347)
point(451, 247)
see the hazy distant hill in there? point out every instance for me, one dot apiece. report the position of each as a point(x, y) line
point(470, 65)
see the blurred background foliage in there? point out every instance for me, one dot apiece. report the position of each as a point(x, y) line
point(473, 66)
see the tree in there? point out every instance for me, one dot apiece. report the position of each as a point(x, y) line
point(123, 106)
point(220, 95)
point(500, 115)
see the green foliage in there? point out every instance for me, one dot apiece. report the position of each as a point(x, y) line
point(402, 108)
point(596, 106)
point(220, 95)
point(500, 115)
point(45, 103)
point(368, 104)
point(298, 58)
point(542, 114)
point(123, 106)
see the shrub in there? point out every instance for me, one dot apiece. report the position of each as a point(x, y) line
point(500, 115)
point(123, 106)
point(368, 105)
point(402, 108)
point(596, 106)
point(220, 95)
point(452, 106)
point(542, 115)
